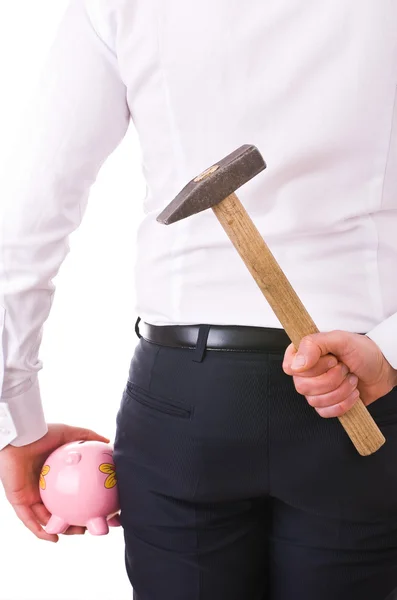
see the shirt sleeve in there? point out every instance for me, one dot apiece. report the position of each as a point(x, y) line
point(385, 336)
point(77, 118)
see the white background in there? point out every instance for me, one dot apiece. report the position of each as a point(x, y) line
point(89, 338)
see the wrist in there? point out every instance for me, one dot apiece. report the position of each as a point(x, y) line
point(390, 374)
point(394, 378)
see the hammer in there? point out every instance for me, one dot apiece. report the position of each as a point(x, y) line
point(215, 188)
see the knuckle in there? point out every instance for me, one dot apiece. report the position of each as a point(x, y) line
point(313, 401)
point(318, 385)
point(307, 345)
point(344, 406)
point(287, 368)
point(354, 396)
point(17, 498)
point(40, 534)
point(323, 367)
point(300, 385)
point(330, 412)
point(327, 401)
point(309, 339)
point(336, 396)
point(338, 332)
point(333, 387)
point(326, 383)
point(290, 350)
point(342, 371)
point(340, 409)
point(323, 412)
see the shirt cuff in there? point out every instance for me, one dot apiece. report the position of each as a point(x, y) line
point(22, 419)
point(385, 336)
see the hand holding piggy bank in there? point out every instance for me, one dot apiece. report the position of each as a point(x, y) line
point(78, 486)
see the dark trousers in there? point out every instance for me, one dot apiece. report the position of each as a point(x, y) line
point(233, 488)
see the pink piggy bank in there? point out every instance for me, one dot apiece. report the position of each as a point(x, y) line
point(78, 486)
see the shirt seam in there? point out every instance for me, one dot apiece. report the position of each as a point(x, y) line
point(392, 128)
point(178, 257)
point(380, 302)
point(387, 160)
point(109, 51)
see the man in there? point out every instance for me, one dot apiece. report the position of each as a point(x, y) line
point(236, 480)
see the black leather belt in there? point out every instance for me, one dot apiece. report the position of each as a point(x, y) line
point(220, 337)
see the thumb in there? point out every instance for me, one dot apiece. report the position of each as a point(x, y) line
point(87, 435)
point(312, 347)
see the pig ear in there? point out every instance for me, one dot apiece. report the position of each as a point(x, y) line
point(73, 458)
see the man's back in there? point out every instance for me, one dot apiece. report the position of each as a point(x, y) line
point(313, 86)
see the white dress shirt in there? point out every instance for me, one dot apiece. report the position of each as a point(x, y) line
point(312, 85)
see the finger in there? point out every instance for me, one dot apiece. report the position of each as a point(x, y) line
point(322, 384)
point(74, 530)
point(41, 513)
point(339, 343)
point(115, 521)
point(324, 364)
point(289, 355)
point(337, 410)
point(27, 516)
point(307, 356)
point(79, 433)
point(43, 516)
point(337, 396)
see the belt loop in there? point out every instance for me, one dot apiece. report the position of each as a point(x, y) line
point(137, 327)
point(201, 343)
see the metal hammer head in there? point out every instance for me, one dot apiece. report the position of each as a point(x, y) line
point(215, 184)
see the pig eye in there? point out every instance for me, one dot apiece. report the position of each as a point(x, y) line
point(80, 442)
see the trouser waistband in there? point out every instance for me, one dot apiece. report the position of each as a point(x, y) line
point(215, 337)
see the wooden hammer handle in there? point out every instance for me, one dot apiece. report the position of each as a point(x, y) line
point(357, 422)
